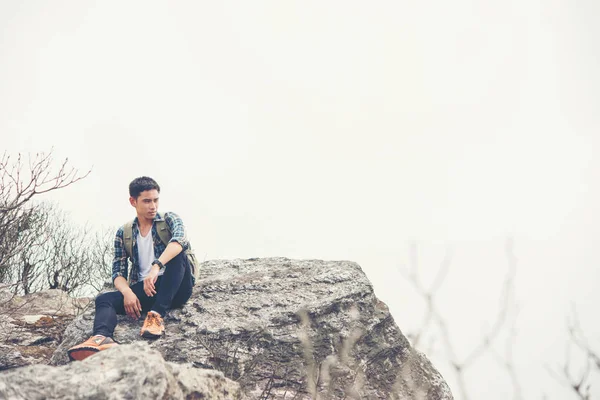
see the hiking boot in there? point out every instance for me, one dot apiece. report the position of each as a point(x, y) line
point(153, 327)
point(90, 347)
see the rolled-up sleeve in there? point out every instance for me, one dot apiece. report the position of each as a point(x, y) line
point(120, 266)
point(178, 233)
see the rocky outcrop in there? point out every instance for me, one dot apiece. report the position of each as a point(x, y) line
point(132, 371)
point(287, 329)
point(31, 326)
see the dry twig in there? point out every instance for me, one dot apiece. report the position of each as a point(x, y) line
point(433, 316)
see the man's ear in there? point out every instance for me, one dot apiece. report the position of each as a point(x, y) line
point(132, 201)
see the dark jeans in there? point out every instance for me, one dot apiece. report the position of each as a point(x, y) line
point(173, 289)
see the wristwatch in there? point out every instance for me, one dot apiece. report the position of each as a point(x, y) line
point(157, 262)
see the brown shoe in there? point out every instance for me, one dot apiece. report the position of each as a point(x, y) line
point(90, 347)
point(153, 327)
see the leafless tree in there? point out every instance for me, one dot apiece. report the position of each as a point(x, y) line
point(21, 180)
point(436, 326)
point(573, 374)
point(578, 381)
point(101, 254)
point(61, 255)
point(39, 247)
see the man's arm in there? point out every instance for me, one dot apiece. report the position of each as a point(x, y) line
point(177, 229)
point(172, 250)
point(178, 242)
point(175, 246)
point(133, 308)
point(121, 285)
point(119, 267)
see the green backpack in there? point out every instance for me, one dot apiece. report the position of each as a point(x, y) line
point(165, 236)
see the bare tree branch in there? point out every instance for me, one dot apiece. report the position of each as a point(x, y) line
point(16, 190)
point(20, 182)
point(580, 382)
point(434, 316)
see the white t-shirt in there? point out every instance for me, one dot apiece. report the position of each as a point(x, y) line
point(145, 248)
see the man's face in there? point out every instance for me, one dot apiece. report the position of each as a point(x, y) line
point(146, 205)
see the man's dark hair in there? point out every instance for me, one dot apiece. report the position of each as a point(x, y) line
point(143, 183)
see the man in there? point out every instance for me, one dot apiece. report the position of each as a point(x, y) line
point(160, 276)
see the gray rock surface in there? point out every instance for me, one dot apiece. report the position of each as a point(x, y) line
point(288, 329)
point(133, 371)
point(31, 326)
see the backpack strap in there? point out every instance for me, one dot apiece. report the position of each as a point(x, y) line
point(128, 237)
point(161, 227)
point(163, 231)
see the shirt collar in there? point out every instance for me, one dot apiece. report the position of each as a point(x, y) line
point(157, 217)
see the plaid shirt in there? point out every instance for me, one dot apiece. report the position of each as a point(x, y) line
point(120, 264)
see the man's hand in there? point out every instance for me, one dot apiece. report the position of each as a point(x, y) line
point(133, 308)
point(150, 280)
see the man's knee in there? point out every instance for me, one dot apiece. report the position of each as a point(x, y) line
point(107, 298)
point(102, 298)
point(179, 261)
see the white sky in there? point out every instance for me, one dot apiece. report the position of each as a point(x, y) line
point(339, 130)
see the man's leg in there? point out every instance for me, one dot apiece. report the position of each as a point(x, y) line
point(104, 325)
point(185, 290)
point(109, 304)
point(175, 286)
